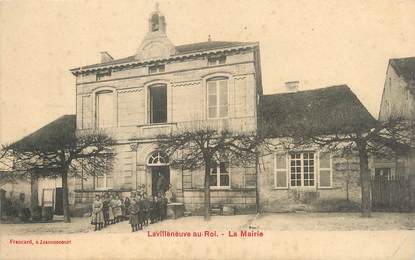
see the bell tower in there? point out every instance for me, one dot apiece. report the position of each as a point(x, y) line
point(155, 44)
point(157, 21)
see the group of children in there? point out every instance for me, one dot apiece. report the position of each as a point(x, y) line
point(140, 210)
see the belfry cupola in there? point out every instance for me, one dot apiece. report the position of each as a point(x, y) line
point(155, 44)
point(157, 21)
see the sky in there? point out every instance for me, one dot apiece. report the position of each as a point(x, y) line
point(319, 43)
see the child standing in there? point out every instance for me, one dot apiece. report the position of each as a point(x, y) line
point(134, 215)
point(97, 217)
point(116, 208)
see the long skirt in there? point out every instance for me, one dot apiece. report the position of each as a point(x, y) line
point(134, 219)
point(117, 211)
point(97, 218)
point(110, 214)
point(142, 216)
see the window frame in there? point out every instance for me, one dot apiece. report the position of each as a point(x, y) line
point(159, 68)
point(216, 61)
point(97, 111)
point(150, 105)
point(218, 97)
point(218, 174)
point(103, 75)
point(302, 170)
point(105, 183)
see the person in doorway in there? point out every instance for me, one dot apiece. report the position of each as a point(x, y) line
point(161, 183)
point(97, 217)
point(169, 194)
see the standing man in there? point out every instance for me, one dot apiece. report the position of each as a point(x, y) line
point(161, 184)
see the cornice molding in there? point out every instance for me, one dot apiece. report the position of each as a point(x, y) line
point(181, 57)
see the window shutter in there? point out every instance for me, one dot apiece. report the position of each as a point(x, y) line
point(325, 170)
point(280, 171)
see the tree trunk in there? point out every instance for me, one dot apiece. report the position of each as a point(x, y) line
point(257, 185)
point(207, 191)
point(66, 213)
point(34, 198)
point(364, 178)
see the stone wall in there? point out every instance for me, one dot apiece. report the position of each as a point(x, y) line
point(345, 180)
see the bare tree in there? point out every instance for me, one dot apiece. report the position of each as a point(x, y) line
point(63, 155)
point(198, 148)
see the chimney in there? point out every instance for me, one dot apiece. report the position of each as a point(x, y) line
point(292, 86)
point(106, 57)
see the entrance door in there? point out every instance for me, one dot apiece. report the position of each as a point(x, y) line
point(59, 202)
point(160, 179)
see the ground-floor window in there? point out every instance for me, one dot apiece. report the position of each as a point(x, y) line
point(103, 182)
point(383, 172)
point(302, 169)
point(219, 174)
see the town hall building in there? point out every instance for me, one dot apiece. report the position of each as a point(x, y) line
point(158, 90)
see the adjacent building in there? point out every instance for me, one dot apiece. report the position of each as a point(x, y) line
point(398, 100)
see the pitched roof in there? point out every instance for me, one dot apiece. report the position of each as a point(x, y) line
point(404, 67)
point(58, 132)
point(181, 49)
point(330, 110)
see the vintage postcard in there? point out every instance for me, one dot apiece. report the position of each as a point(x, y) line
point(214, 129)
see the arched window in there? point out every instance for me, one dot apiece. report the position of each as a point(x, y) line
point(158, 159)
point(217, 97)
point(104, 109)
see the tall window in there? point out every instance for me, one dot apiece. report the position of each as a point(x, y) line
point(158, 104)
point(302, 169)
point(104, 109)
point(217, 91)
point(219, 174)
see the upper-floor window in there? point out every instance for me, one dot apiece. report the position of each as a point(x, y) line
point(219, 174)
point(104, 109)
point(156, 69)
point(103, 75)
point(217, 98)
point(158, 104)
point(216, 61)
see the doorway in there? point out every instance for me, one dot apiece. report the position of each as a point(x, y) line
point(59, 202)
point(160, 179)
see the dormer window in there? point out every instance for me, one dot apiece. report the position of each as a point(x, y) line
point(156, 69)
point(214, 61)
point(103, 75)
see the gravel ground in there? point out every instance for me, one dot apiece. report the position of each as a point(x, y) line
point(285, 236)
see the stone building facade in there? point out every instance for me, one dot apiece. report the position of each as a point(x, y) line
point(160, 89)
